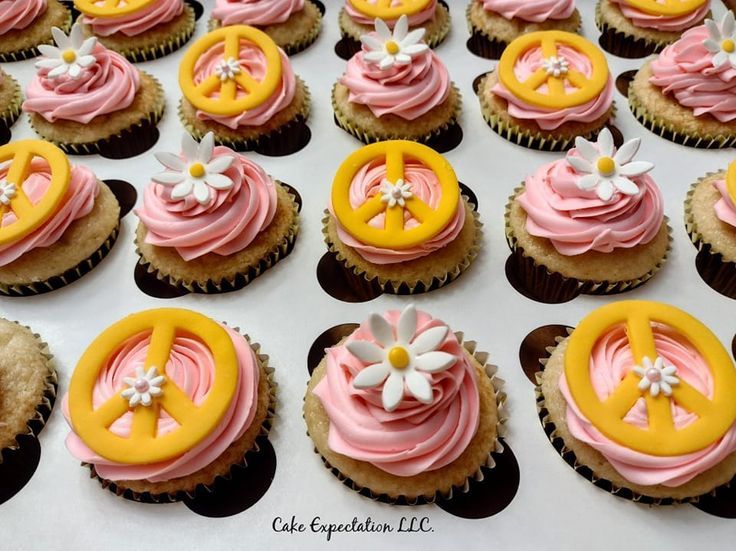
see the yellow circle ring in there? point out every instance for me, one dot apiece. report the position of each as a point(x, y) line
point(393, 235)
point(227, 103)
point(144, 446)
point(384, 10)
point(670, 8)
point(29, 215)
point(716, 415)
point(111, 8)
point(587, 88)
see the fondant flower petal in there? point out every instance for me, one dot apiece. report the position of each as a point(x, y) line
point(206, 147)
point(586, 149)
point(219, 164)
point(604, 190)
point(589, 181)
point(728, 24)
point(50, 51)
point(218, 181)
point(60, 70)
point(639, 370)
point(415, 49)
point(720, 58)
point(168, 178)
point(374, 57)
point(654, 389)
point(201, 192)
point(372, 43)
point(711, 45)
point(62, 41)
point(402, 59)
point(87, 46)
point(140, 372)
point(581, 165)
point(433, 362)
point(134, 399)
point(365, 351)
point(393, 392)
point(151, 373)
point(130, 381)
point(413, 38)
point(407, 325)
point(387, 62)
point(627, 151)
point(669, 379)
point(381, 330)
point(189, 146)
point(155, 391)
point(86, 60)
point(644, 383)
point(48, 63)
point(383, 30)
point(669, 370)
point(371, 376)
point(157, 381)
point(128, 392)
point(76, 36)
point(181, 190)
point(74, 70)
point(605, 142)
point(625, 186)
point(146, 398)
point(429, 340)
point(419, 386)
point(713, 31)
point(169, 160)
point(636, 168)
point(665, 387)
point(401, 28)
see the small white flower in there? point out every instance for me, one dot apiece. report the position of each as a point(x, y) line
point(607, 170)
point(143, 386)
point(656, 377)
point(7, 191)
point(401, 358)
point(70, 55)
point(395, 194)
point(196, 172)
point(393, 48)
point(555, 66)
point(721, 41)
point(227, 69)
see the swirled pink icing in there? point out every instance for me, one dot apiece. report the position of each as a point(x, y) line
point(408, 91)
point(147, 18)
point(191, 368)
point(252, 60)
point(662, 22)
point(535, 11)
point(549, 119)
point(108, 85)
point(725, 207)
point(255, 12)
point(227, 224)
point(414, 19)
point(611, 360)
point(577, 221)
point(425, 185)
point(415, 437)
point(18, 15)
point(685, 70)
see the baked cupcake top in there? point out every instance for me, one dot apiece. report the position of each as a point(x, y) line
point(255, 12)
point(400, 394)
point(396, 201)
point(132, 19)
point(663, 16)
point(18, 15)
point(366, 11)
point(554, 77)
point(160, 395)
point(699, 70)
point(79, 79)
point(396, 73)
point(41, 194)
point(535, 11)
point(595, 199)
point(650, 388)
point(208, 200)
point(725, 207)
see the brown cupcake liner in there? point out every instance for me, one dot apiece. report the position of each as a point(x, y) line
point(478, 475)
point(29, 53)
point(13, 110)
point(280, 251)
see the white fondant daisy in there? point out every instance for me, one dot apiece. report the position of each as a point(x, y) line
point(393, 48)
point(396, 193)
point(607, 170)
point(7, 191)
point(555, 66)
point(721, 41)
point(656, 376)
point(196, 172)
point(143, 387)
point(227, 69)
point(401, 358)
point(70, 55)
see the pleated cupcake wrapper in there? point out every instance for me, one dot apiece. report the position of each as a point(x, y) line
point(69, 276)
point(169, 497)
point(13, 109)
point(28, 53)
point(669, 132)
point(363, 280)
point(489, 463)
point(35, 424)
point(624, 44)
point(277, 253)
point(555, 286)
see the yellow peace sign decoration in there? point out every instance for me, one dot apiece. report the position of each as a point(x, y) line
point(227, 102)
point(716, 415)
point(143, 445)
point(393, 234)
point(670, 8)
point(731, 181)
point(389, 9)
point(556, 97)
point(111, 8)
point(29, 215)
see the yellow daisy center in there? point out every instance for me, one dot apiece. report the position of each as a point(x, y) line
point(399, 357)
point(392, 47)
point(196, 170)
point(728, 45)
point(69, 56)
point(606, 165)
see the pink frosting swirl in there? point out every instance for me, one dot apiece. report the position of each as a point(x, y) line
point(662, 22)
point(191, 368)
point(18, 15)
point(108, 85)
point(725, 207)
point(408, 91)
point(252, 60)
point(133, 24)
point(415, 437)
point(685, 69)
point(425, 185)
point(77, 203)
point(255, 12)
point(535, 11)
point(227, 224)
point(549, 119)
point(415, 19)
point(577, 221)
point(610, 362)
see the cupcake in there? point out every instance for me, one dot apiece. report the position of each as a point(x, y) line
point(203, 388)
point(686, 94)
point(292, 24)
point(85, 97)
point(637, 28)
point(140, 31)
point(548, 88)
point(395, 88)
point(592, 222)
point(11, 99)
point(242, 89)
point(397, 219)
point(213, 220)
point(624, 400)
point(494, 24)
point(402, 409)
point(25, 24)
